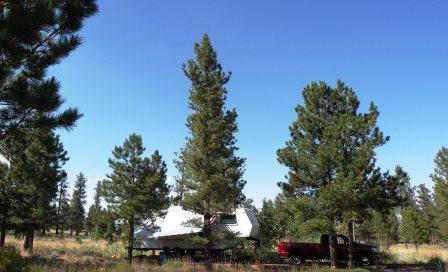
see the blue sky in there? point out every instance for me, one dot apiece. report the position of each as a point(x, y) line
point(127, 76)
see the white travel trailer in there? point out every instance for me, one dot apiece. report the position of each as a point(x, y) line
point(173, 233)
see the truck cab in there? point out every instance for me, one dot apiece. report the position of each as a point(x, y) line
point(297, 252)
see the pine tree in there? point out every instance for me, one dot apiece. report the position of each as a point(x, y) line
point(211, 172)
point(36, 35)
point(93, 220)
point(426, 205)
point(440, 178)
point(78, 200)
point(270, 228)
point(37, 172)
point(136, 189)
point(413, 227)
point(331, 157)
point(62, 207)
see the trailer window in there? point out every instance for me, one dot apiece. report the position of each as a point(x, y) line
point(228, 219)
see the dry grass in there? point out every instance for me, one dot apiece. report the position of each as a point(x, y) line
point(425, 253)
point(85, 255)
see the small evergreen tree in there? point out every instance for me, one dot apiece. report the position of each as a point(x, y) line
point(413, 227)
point(270, 228)
point(93, 220)
point(62, 207)
point(211, 171)
point(426, 204)
point(78, 200)
point(440, 178)
point(136, 189)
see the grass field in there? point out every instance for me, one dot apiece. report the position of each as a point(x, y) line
point(405, 255)
point(69, 255)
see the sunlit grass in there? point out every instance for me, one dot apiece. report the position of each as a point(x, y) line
point(410, 255)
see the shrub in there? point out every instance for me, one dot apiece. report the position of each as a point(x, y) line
point(11, 261)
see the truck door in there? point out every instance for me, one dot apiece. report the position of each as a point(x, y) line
point(342, 247)
point(325, 245)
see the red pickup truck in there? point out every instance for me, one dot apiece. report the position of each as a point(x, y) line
point(297, 253)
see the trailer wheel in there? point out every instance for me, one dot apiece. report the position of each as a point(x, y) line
point(296, 259)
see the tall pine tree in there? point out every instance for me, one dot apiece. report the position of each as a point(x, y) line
point(331, 157)
point(77, 210)
point(136, 189)
point(440, 178)
point(211, 171)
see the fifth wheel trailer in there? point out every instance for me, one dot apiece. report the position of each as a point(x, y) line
point(172, 233)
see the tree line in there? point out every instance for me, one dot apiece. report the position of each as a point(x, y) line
point(333, 182)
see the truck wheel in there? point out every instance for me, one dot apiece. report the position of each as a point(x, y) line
point(365, 261)
point(296, 260)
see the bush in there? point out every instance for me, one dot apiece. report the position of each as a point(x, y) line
point(438, 263)
point(11, 261)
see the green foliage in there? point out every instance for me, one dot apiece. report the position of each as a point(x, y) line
point(414, 227)
point(62, 207)
point(331, 158)
point(94, 226)
point(426, 204)
point(270, 226)
point(440, 178)
point(136, 189)
point(35, 36)
point(11, 261)
point(77, 210)
point(211, 172)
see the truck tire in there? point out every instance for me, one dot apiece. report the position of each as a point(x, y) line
point(296, 259)
point(365, 260)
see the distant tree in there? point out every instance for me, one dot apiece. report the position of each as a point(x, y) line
point(413, 227)
point(270, 228)
point(426, 204)
point(440, 178)
point(78, 200)
point(62, 207)
point(136, 189)
point(93, 220)
point(212, 172)
point(331, 158)
point(36, 35)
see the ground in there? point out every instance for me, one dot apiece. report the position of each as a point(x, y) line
point(52, 254)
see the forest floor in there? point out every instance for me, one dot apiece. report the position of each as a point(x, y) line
point(52, 254)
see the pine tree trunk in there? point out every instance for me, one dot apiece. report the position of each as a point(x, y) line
point(351, 238)
point(4, 226)
point(333, 251)
point(208, 245)
point(28, 242)
point(71, 232)
point(31, 243)
point(57, 229)
point(130, 239)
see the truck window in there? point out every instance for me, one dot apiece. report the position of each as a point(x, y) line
point(342, 240)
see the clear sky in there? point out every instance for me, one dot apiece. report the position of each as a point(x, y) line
point(127, 76)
